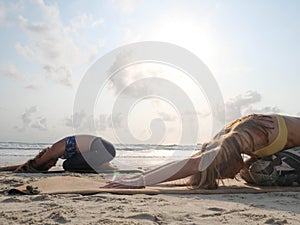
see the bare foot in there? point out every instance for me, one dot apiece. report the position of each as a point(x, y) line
point(107, 166)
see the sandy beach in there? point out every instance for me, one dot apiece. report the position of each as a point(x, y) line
point(267, 208)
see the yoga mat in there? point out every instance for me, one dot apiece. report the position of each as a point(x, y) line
point(97, 171)
point(83, 185)
point(12, 168)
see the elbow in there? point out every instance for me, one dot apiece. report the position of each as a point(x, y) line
point(192, 166)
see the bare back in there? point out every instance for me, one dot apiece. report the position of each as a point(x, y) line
point(293, 127)
point(293, 132)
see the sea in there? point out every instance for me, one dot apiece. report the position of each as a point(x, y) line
point(129, 156)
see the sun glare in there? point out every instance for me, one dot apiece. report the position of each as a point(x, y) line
point(190, 33)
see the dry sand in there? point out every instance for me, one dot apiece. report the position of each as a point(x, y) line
point(269, 208)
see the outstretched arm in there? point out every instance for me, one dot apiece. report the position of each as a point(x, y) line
point(9, 168)
point(53, 153)
point(171, 171)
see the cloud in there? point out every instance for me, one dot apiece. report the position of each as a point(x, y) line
point(115, 120)
point(122, 80)
point(50, 45)
point(128, 78)
point(243, 104)
point(79, 21)
point(47, 40)
point(84, 20)
point(38, 28)
point(102, 124)
point(26, 117)
point(105, 122)
point(55, 46)
point(127, 6)
point(235, 106)
point(75, 120)
point(124, 84)
point(40, 124)
point(33, 87)
point(24, 50)
point(11, 71)
point(167, 117)
point(81, 122)
point(30, 120)
point(97, 22)
point(267, 109)
point(60, 74)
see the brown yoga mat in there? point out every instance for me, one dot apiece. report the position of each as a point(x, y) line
point(84, 185)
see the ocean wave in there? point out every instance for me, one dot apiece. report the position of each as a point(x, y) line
point(119, 147)
point(14, 152)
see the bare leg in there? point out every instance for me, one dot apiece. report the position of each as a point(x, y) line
point(56, 151)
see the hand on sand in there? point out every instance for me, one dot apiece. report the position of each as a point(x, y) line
point(127, 183)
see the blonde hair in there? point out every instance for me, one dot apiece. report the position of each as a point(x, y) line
point(231, 138)
point(29, 166)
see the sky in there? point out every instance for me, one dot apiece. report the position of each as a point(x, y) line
point(47, 47)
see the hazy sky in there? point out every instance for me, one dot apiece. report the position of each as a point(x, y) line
point(251, 47)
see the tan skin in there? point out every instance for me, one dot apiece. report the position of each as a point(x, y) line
point(49, 159)
point(187, 167)
point(49, 156)
point(48, 165)
point(55, 152)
